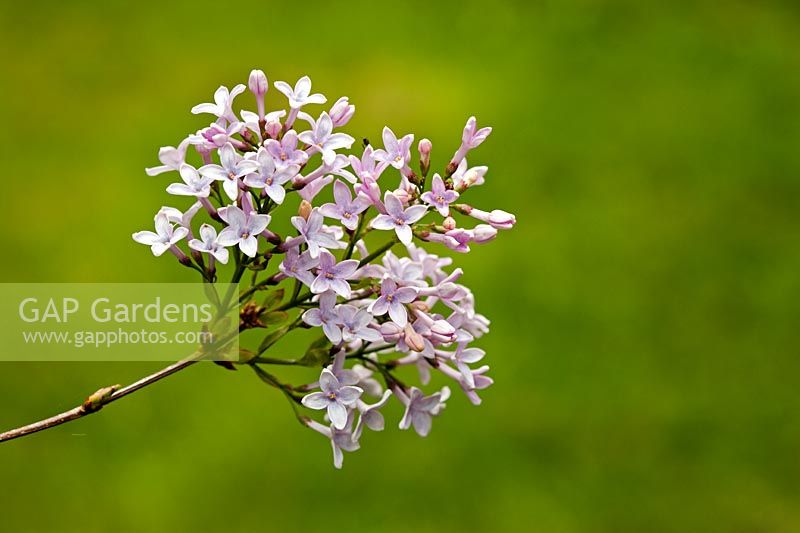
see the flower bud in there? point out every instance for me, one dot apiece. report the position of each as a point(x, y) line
point(305, 209)
point(501, 219)
point(258, 83)
point(273, 129)
point(341, 112)
point(449, 223)
point(403, 196)
point(450, 291)
point(483, 233)
point(443, 328)
point(420, 306)
point(391, 332)
point(413, 339)
point(424, 148)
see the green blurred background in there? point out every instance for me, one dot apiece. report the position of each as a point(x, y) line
point(645, 309)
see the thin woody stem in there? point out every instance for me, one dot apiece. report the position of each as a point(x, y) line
point(98, 400)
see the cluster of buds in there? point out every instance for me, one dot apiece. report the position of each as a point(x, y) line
point(377, 309)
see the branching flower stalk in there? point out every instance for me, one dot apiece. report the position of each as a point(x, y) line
point(378, 309)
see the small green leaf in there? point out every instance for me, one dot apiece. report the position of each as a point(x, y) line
point(318, 353)
point(273, 298)
point(271, 318)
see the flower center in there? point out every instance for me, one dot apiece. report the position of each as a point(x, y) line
point(331, 395)
point(245, 235)
point(231, 176)
point(283, 156)
point(268, 181)
point(399, 221)
point(390, 298)
point(398, 159)
point(346, 215)
point(440, 199)
point(328, 275)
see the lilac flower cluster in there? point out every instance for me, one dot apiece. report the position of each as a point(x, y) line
point(378, 310)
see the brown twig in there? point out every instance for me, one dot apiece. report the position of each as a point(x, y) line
point(97, 401)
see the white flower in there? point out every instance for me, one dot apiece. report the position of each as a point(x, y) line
point(209, 244)
point(243, 229)
point(165, 236)
point(193, 184)
point(335, 397)
point(300, 94)
point(223, 102)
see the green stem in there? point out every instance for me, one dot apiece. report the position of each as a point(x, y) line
point(348, 253)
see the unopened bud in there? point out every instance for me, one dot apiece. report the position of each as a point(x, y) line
point(402, 195)
point(419, 306)
point(258, 83)
point(391, 332)
point(341, 112)
point(424, 156)
point(305, 209)
point(449, 223)
point(483, 233)
point(273, 129)
point(413, 339)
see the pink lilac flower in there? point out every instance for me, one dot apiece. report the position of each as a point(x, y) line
point(183, 219)
point(270, 178)
point(253, 123)
point(258, 85)
point(310, 191)
point(335, 166)
point(370, 415)
point(298, 97)
point(463, 357)
point(396, 152)
point(326, 316)
point(392, 300)
point(171, 158)
point(397, 218)
point(355, 324)
point(341, 439)
point(223, 102)
point(333, 276)
point(439, 196)
point(313, 234)
point(209, 244)
point(465, 177)
point(193, 184)
point(334, 397)
point(216, 136)
point(424, 147)
point(243, 229)
point(432, 321)
point(478, 379)
point(233, 166)
point(472, 137)
point(367, 168)
point(164, 238)
point(345, 209)
point(447, 240)
point(285, 152)
point(298, 265)
point(322, 139)
point(360, 376)
point(420, 409)
point(341, 112)
point(497, 219)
